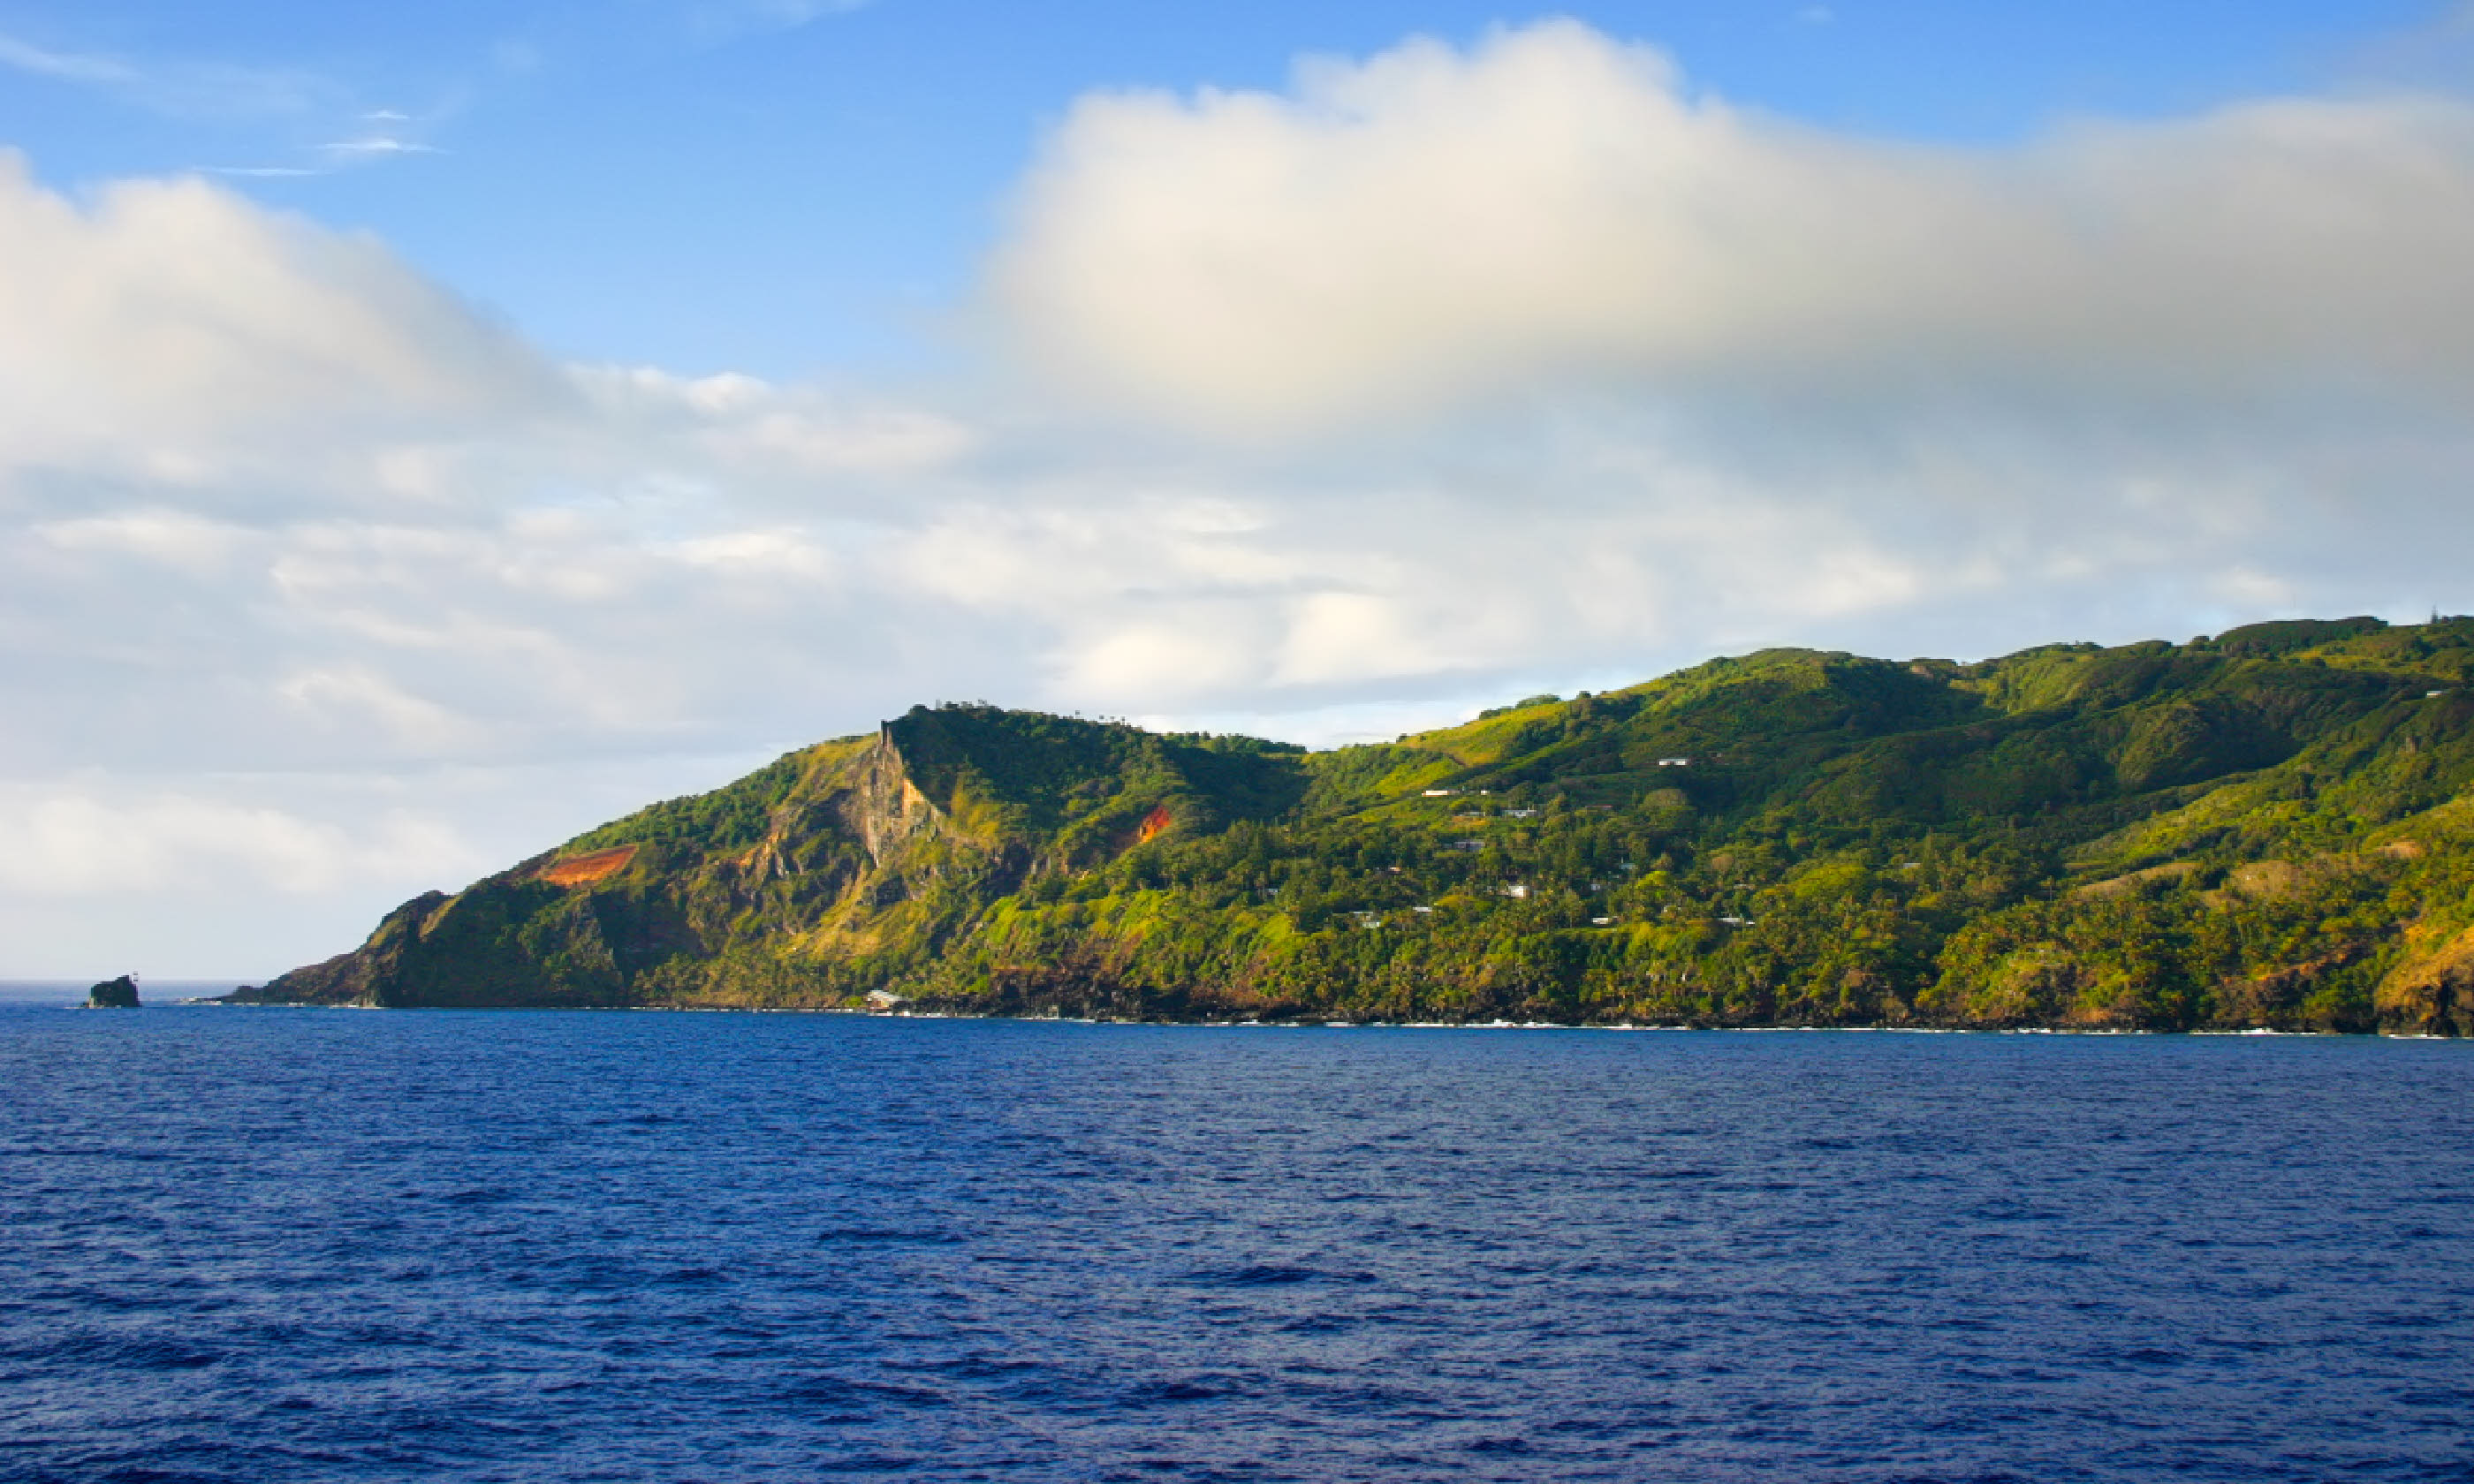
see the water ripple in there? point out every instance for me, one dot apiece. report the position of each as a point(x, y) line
point(292, 1247)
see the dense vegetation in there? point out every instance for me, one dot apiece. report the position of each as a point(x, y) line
point(2271, 829)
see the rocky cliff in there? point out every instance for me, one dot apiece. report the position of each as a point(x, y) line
point(806, 882)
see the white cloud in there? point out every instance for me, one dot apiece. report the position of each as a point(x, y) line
point(352, 697)
point(91, 839)
point(1338, 636)
point(787, 552)
point(247, 874)
point(752, 426)
point(277, 507)
point(174, 539)
point(1434, 223)
point(167, 316)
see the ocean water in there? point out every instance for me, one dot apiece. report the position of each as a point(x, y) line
point(297, 1245)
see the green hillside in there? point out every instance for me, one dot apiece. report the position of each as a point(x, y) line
point(2271, 828)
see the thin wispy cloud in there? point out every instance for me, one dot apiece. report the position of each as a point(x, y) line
point(376, 147)
point(179, 89)
point(66, 67)
point(339, 154)
point(335, 158)
point(217, 91)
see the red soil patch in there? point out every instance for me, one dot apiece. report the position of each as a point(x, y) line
point(585, 870)
point(1153, 824)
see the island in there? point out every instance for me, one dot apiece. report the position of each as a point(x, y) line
point(119, 993)
point(2269, 828)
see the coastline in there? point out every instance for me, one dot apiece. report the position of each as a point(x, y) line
point(1319, 1023)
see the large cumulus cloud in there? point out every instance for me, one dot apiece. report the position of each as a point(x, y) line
point(164, 319)
point(1436, 223)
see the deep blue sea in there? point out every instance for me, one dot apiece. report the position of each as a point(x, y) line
point(268, 1245)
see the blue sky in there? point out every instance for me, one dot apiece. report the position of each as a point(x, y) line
point(426, 432)
point(728, 185)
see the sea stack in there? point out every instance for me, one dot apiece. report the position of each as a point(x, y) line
point(119, 993)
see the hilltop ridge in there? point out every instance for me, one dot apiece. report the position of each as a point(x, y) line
point(2270, 827)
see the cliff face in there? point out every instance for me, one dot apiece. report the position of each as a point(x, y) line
point(2271, 829)
point(801, 884)
point(2432, 992)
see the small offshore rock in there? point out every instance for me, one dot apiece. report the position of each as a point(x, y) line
point(119, 993)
